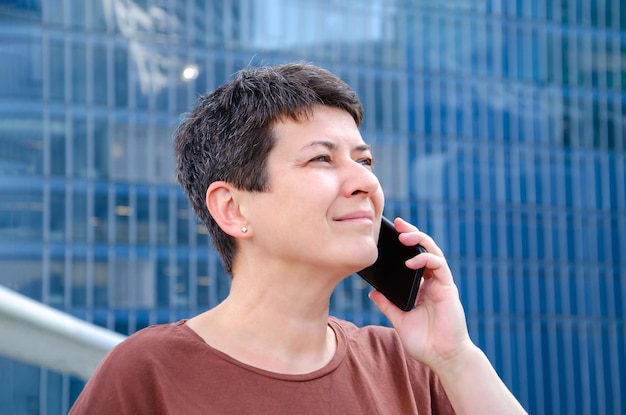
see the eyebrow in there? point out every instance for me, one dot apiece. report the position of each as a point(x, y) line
point(332, 146)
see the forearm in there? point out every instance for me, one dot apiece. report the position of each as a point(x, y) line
point(474, 387)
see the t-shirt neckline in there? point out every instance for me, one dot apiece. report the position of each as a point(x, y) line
point(333, 364)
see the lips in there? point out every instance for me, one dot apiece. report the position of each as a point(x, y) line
point(357, 216)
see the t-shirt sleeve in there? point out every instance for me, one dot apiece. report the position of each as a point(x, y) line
point(380, 351)
point(428, 391)
point(439, 401)
point(122, 383)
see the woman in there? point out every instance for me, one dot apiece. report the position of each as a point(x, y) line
point(274, 165)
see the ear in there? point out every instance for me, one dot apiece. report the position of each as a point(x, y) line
point(221, 200)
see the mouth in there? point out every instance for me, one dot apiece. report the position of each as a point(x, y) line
point(357, 216)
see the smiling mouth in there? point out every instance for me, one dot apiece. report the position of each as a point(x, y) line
point(365, 221)
point(356, 217)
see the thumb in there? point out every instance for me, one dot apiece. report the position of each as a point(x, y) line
point(389, 309)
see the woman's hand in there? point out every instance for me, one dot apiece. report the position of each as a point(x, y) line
point(435, 331)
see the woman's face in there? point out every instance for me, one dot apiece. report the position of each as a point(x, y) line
point(324, 205)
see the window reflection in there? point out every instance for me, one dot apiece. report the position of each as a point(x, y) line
point(101, 282)
point(77, 70)
point(184, 217)
point(78, 137)
point(100, 220)
point(21, 69)
point(143, 215)
point(122, 211)
point(56, 69)
point(133, 283)
point(79, 215)
point(21, 214)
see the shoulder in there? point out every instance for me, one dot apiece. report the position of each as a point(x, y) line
point(374, 347)
point(141, 353)
point(380, 348)
point(132, 370)
point(374, 338)
point(148, 343)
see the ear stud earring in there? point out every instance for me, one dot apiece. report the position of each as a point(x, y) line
point(244, 229)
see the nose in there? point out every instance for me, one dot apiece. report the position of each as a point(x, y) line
point(360, 179)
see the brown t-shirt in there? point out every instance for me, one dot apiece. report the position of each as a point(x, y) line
point(169, 369)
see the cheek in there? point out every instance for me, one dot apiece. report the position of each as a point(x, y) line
point(314, 188)
point(298, 201)
point(305, 196)
point(379, 200)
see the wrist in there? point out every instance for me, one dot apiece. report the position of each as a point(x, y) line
point(458, 362)
point(472, 384)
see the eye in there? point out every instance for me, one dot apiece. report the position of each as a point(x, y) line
point(323, 158)
point(366, 161)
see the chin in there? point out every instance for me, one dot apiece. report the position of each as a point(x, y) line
point(364, 258)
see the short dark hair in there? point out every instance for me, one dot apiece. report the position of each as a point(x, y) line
point(229, 134)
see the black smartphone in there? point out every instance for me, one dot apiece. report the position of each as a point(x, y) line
point(389, 274)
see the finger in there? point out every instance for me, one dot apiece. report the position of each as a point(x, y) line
point(410, 235)
point(423, 239)
point(434, 267)
point(393, 313)
point(403, 226)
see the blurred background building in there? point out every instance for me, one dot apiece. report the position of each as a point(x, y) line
point(498, 128)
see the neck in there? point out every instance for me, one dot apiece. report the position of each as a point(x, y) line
point(274, 323)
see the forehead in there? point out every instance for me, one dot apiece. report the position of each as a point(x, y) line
point(322, 124)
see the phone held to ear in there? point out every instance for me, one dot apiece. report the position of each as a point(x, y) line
point(389, 275)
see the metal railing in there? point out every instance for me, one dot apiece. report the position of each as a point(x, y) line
point(43, 336)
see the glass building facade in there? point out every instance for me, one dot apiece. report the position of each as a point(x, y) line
point(499, 127)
